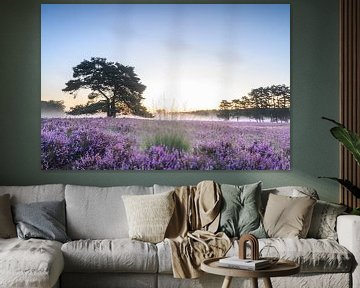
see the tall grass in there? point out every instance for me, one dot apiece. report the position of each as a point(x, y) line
point(168, 139)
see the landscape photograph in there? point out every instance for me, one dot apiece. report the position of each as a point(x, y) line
point(165, 87)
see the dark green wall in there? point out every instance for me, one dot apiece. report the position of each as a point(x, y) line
point(314, 84)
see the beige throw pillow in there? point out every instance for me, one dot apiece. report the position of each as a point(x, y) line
point(149, 215)
point(7, 226)
point(288, 217)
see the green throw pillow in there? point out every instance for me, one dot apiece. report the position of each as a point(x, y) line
point(240, 213)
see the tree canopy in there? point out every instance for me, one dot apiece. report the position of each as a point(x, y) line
point(115, 88)
point(272, 102)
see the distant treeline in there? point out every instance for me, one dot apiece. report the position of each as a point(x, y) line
point(271, 102)
point(52, 106)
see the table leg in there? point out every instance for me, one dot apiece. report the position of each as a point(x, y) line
point(267, 283)
point(227, 282)
point(254, 282)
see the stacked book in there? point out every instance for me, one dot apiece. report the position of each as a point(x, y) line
point(248, 264)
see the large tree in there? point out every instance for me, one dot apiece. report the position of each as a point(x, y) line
point(115, 88)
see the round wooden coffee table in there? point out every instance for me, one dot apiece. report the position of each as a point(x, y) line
point(281, 268)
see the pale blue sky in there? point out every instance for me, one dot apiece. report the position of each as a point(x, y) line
point(190, 56)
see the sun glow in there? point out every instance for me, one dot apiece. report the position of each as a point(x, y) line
point(183, 66)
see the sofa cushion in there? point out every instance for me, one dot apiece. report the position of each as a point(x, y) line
point(36, 193)
point(291, 191)
point(240, 210)
point(323, 222)
point(109, 280)
point(287, 216)
point(7, 226)
point(149, 215)
point(30, 263)
point(164, 257)
point(117, 255)
point(313, 255)
point(43, 220)
point(98, 213)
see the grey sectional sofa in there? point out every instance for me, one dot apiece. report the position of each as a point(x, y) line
point(101, 255)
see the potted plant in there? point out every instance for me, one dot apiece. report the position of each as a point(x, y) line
point(351, 141)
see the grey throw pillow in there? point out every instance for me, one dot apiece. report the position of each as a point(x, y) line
point(323, 222)
point(7, 227)
point(240, 213)
point(44, 220)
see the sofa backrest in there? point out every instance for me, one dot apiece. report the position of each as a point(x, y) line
point(162, 188)
point(98, 213)
point(36, 193)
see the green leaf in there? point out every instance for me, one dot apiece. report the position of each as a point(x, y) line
point(349, 139)
point(347, 184)
point(333, 121)
point(355, 211)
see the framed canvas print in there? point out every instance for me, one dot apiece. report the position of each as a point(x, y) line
point(165, 87)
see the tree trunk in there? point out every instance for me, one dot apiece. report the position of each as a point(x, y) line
point(108, 109)
point(113, 108)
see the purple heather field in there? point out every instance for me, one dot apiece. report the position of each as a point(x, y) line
point(147, 144)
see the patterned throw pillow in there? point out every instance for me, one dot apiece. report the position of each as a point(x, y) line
point(323, 223)
point(149, 215)
point(7, 226)
point(288, 217)
point(240, 213)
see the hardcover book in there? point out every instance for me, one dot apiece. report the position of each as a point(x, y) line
point(236, 262)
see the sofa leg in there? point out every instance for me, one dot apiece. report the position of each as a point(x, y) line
point(254, 282)
point(267, 282)
point(227, 282)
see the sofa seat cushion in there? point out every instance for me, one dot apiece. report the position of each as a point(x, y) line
point(313, 255)
point(115, 255)
point(30, 263)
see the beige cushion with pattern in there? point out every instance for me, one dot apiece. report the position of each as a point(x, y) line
point(323, 222)
point(149, 215)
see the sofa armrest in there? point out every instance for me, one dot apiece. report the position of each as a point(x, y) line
point(348, 230)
